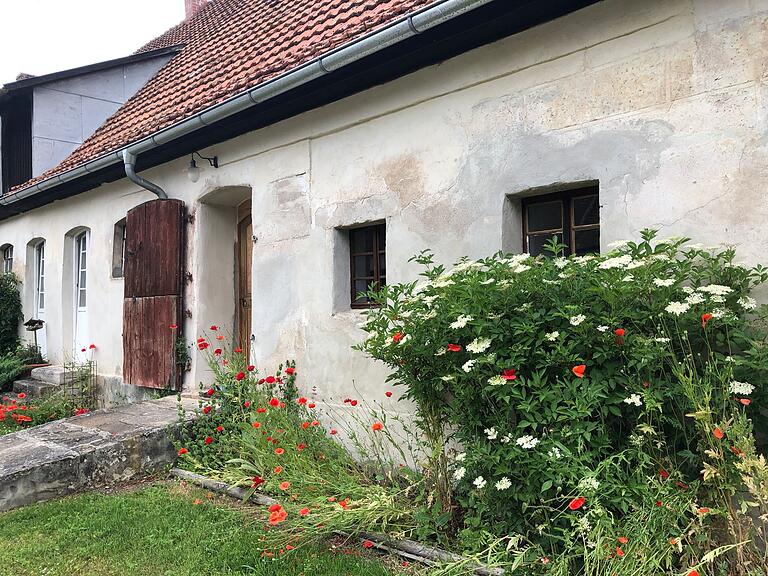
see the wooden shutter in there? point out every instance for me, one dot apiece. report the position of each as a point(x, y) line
point(154, 276)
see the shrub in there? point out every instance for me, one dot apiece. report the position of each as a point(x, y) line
point(10, 367)
point(10, 312)
point(589, 381)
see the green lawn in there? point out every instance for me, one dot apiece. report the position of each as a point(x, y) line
point(160, 530)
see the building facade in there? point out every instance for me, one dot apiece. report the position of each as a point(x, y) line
point(618, 116)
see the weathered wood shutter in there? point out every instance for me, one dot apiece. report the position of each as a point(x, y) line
point(154, 276)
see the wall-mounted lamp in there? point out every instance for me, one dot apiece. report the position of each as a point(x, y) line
point(193, 172)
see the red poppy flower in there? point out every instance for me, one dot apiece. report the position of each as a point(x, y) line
point(454, 347)
point(247, 404)
point(238, 350)
point(256, 424)
point(210, 392)
point(377, 426)
point(717, 433)
point(208, 440)
point(302, 400)
point(311, 405)
point(693, 573)
point(303, 511)
point(397, 337)
point(240, 376)
point(344, 503)
point(333, 431)
point(284, 485)
point(82, 349)
point(81, 411)
point(217, 352)
point(579, 370)
point(290, 370)
point(703, 510)
point(705, 318)
point(279, 451)
point(270, 379)
point(664, 474)
point(278, 469)
point(509, 374)
point(260, 410)
point(745, 401)
point(92, 347)
point(206, 409)
point(220, 337)
point(623, 539)
point(257, 480)
point(301, 447)
point(214, 328)
point(203, 345)
point(288, 547)
point(388, 394)
point(251, 368)
point(305, 425)
point(353, 402)
point(182, 451)
point(219, 428)
point(619, 332)
point(274, 402)
point(367, 544)
point(21, 395)
point(659, 504)
point(172, 326)
point(577, 503)
point(315, 423)
point(619, 552)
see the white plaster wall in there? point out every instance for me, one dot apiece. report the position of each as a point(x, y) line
point(661, 101)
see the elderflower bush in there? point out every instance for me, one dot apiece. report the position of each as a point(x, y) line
point(561, 377)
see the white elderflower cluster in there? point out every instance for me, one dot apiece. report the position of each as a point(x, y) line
point(491, 433)
point(677, 308)
point(479, 345)
point(634, 399)
point(461, 457)
point(527, 442)
point(588, 483)
point(716, 289)
point(576, 320)
point(503, 484)
point(603, 328)
point(461, 321)
point(616, 262)
point(555, 453)
point(552, 336)
point(741, 388)
point(663, 282)
point(480, 482)
point(467, 366)
point(496, 381)
point(459, 473)
point(748, 303)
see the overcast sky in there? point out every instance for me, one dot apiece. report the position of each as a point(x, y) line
point(44, 36)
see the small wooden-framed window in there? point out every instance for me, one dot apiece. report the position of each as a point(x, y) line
point(7, 255)
point(573, 216)
point(368, 262)
point(118, 250)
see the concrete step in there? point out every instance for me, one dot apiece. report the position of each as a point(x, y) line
point(35, 388)
point(96, 449)
point(50, 374)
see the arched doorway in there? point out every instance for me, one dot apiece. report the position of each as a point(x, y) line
point(80, 295)
point(244, 276)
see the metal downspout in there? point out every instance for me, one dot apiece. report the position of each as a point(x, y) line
point(129, 160)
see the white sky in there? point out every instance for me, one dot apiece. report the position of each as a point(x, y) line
point(44, 36)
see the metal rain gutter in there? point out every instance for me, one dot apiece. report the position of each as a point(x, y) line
point(398, 31)
point(129, 160)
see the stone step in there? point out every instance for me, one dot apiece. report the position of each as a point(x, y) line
point(35, 388)
point(96, 449)
point(50, 374)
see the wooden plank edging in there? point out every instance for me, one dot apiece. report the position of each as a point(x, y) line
point(404, 548)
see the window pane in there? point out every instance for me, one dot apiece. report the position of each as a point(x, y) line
point(586, 210)
point(361, 240)
point(382, 232)
point(363, 266)
point(83, 261)
point(81, 282)
point(545, 216)
point(361, 286)
point(41, 301)
point(587, 241)
point(382, 264)
point(536, 244)
point(81, 302)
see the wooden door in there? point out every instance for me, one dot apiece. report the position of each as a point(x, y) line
point(244, 276)
point(153, 285)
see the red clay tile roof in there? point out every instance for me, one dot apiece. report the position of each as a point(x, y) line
point(230, 46)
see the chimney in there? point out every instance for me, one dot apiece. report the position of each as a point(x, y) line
point(193, 6)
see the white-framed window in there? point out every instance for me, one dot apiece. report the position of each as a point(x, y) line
point(7, 255)
point(81, 253)
point(40, 277)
